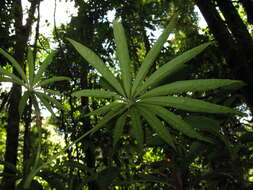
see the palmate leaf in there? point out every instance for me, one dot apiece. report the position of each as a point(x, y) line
point(189, 104)
point(43, 67)
point(106, 108)
point(7, 79)
point(51, 80)
point(30, 61)
point(52, 100)
point(35, 105)
point(123, 55)
point(176, 122)
point(172, 66)
point(46, 104)
point(199, 85)
point(97, 63)
point(157, 125)
point(12, 76)
point(137, 130)
point(95, 93)
point(14, 63)
point(109, 116)
point(119, 128)
point(23, 102)
point(152, 54)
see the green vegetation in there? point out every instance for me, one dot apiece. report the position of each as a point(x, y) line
point(128, 110)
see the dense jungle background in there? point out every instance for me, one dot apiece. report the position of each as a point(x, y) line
point(96, 162)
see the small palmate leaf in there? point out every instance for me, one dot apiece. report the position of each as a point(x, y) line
point(172, 66)
point(23, 102)
point(189, 104)
point(123, 55)
point(51, 80)
point(46, 103)
point(152, 54)
point(95, 93)
point(137, 130)
point(7, 79)
point(157, 126)
point(97, 63)
point(52, 100)
point(14, 63)
point(12, 76)
point(176, 122)
point(119, 128)
point(199, 85)
point(105, 109)
point(43, 67)
point(35, 105)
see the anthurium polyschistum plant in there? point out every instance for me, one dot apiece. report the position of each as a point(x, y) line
point(34, 85)
point(138, 98)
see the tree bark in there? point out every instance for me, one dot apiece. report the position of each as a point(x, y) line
point(232, 42)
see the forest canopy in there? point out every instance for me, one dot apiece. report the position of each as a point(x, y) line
point(126, 94)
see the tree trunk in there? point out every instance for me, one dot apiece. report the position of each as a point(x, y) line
point(232, 44)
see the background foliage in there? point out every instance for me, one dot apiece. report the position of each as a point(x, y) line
point(95, 162)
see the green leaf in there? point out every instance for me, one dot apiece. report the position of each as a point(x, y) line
point(176, 122)
point(14, 78)
point(200, 85)
point(105, 109)
point(97, 63)
point(123, 55)
point(51, 80)
point(52, 100)
point(46, 104)
point(14, 63)
point(172, 66)
point(23, 102)
point(30, 61)
point(43, 67)
point(108, 117)
point(35, 105)
point(95, 93)
point(7, 79)
point(152, 54)
point(119, 128)
point(53, 92)
point(189, 104)
point(136, 128)
point(157, 125)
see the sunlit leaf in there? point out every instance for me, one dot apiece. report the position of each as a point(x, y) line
point(46, 103)
point(14, 63)
point(43, 67)
point(95, 93)
point(52, 100)
point(172, 66)
point(176, 122)
point(152, 54)
point(23, 103)
point(97, 63)
point(199, 85)
point(51, 80)
point(13, 77)
point(189, 104)
point(123, 55)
